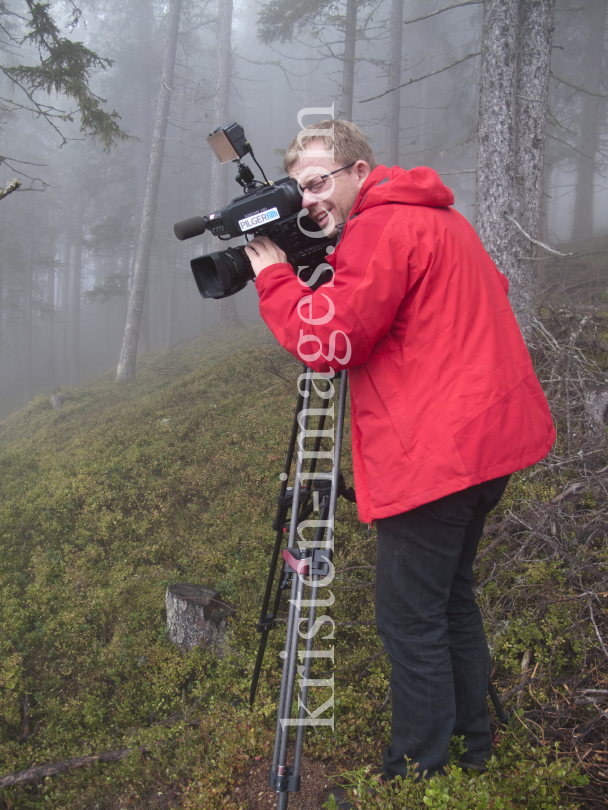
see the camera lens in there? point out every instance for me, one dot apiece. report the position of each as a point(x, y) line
point(221, 274)
point(289, 188)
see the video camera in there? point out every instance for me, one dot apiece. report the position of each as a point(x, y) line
point(265, 209)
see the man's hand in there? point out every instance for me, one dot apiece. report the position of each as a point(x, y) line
point(263, 252)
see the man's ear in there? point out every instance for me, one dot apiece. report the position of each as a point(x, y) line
point(362, 170)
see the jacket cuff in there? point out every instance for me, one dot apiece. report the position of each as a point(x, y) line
point(264, 272)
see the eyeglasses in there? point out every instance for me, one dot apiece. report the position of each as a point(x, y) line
point(317, 184)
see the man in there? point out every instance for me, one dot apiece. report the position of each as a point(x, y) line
point(445, 405)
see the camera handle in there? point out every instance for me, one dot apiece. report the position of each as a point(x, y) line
point(244, 178)
point(310, 564)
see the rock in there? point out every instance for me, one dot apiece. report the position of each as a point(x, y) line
point(595, 405)
point(196, 617)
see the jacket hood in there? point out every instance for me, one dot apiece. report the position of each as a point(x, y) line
point(419, 186)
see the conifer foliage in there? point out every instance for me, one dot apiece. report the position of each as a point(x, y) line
point(65, 67)
point(280, 20)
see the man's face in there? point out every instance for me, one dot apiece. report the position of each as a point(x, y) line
point(330, 205)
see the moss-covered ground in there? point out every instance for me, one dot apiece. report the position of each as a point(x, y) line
point(128, 489)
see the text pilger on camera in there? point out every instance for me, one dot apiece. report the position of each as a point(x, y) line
point(445, 405)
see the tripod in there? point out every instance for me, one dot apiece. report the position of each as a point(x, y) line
point(309, 565)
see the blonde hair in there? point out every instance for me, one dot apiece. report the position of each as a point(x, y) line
point(348, 142)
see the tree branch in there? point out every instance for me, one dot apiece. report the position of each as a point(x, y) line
point(536, 242)
point(441, 10)
point(38, 108)
point(597, 632)
point(576, 87)
point(9, 188)
point(551, 118)
point(5, 160)
point(560, 140)
point(420, 78)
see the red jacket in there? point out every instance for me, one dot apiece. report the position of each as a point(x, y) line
point(443, 392)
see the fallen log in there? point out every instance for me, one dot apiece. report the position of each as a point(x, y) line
point(54, 768)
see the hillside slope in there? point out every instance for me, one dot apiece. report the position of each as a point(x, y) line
point(174, 478)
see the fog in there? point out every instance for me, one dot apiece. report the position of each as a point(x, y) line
point(70, 234)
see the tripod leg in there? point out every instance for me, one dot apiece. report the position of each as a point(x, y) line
point(266, 622)
point(280, 771)
point(291, 665)
point(308, 651)
point(500, 712)
point(287, 678)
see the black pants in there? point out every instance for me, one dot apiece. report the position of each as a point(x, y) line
point(432, 629)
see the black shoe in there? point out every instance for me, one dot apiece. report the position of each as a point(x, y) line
point(477, 767)
point(341, 798)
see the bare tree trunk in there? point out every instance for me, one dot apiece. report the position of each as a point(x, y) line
point(594, 109)
point(394, 80)
point(496, 132)
point(145, 323)
point(544, 228)
point(1, 288)
point(221, 109)
point(128, 355)
point(513, 93)
point(145, 73)
point(125, 272)
point(348, 68)
point(534, 63)
point(74, 344)
point(171, 248)
point(65, 297)
point(50, 301)
point(423, 128)
point(225, 310)
point(144, 331)
point(173, 259)
point(98, 270)
point(28, 294)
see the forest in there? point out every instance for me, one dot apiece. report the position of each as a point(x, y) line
point(142, 427)
point(107, 139)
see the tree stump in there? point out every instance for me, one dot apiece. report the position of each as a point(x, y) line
point(196, 617)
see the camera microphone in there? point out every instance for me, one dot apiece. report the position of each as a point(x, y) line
point(188, 228)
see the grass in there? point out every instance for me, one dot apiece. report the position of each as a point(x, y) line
point(174, 478)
